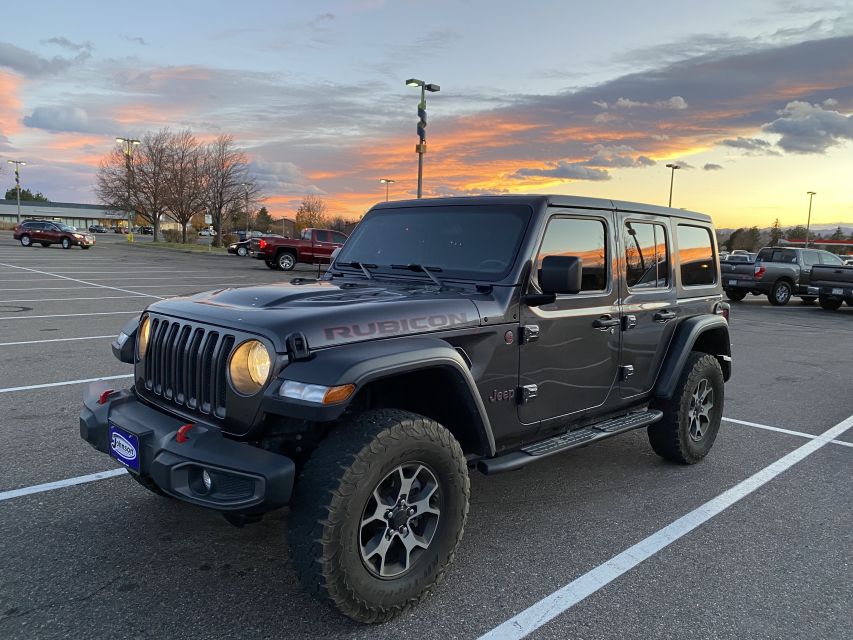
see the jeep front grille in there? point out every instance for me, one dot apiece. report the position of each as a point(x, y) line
point(187, 365)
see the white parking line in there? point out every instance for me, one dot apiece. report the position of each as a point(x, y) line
point(70, 315)
point(563, 599)
point(59, 484)
point(801, 434)
point(74, 299)
point(46, 385)
point(11, 344)
point(123, 278)
point(77, 280)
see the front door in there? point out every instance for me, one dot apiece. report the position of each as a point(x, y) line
point(570, 349)
point(649, 301)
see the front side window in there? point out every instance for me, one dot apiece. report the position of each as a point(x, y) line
point(696, 256)
point(810, 258)
point(646, 255)
point(338, 237)
point(584, 238)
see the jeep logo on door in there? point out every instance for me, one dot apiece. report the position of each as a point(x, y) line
point(499, 395)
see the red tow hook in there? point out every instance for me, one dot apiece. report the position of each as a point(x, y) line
point(181, 436)
point(102, 399)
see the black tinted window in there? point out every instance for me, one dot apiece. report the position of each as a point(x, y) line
point(478, 242)
point(33, 225)
point(696, 256)
point(585, 239)
point(339, 238)
point(646, 255)
point(773, 254)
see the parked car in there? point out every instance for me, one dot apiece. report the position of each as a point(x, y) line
point(147, 231)
point(732, 257)
point(97, 228)
point(833, 284)
point(240, 248)
point(487, 332)
point(207, 232)
point(777, 272)
point(119, 229)
point(315, 246)
point(847, 259)
point(46, 233)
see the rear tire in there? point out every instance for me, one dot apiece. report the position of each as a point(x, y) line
point(286, 261)
point(242, 251)
point(66, 243)
point(339, 522)
point(691, 418)
point(735, 295)
point(26, 241)
point(830, 304)
point(780, 294)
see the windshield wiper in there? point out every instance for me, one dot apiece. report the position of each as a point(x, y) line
point(422, 269)
point(360, 265)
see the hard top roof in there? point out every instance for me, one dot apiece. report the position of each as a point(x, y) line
point(536, 200)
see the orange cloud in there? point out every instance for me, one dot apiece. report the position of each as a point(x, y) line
point(10, 104)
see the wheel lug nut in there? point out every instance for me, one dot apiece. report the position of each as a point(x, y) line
point(388, 515)
point(404, 531)
point(411, 511)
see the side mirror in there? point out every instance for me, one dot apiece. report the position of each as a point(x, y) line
point(561, 274)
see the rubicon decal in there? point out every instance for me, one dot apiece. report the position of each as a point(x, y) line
point(396, 327)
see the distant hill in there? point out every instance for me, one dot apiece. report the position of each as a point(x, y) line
point(846, 227)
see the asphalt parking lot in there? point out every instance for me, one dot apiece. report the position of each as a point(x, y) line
point(754, 542)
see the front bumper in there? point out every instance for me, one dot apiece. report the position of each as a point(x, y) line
point(245, 479)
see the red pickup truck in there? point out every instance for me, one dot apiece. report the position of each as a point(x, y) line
point(315, 246)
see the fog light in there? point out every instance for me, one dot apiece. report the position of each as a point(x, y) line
point(206, 480)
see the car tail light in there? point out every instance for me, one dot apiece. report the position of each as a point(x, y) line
point(759, 271)
point(262, 244)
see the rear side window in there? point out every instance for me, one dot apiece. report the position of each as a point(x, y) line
point(696, 256)
point(33, 225)
point(586, 239)
point(777, 255)
point(646, 255)
point(811, 257)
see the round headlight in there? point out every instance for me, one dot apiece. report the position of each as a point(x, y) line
point(144, 335)
point(249, 367)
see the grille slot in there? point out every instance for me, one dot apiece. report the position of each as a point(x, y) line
point(186, 365)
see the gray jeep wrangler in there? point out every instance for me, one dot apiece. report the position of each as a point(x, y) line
point(448, 335)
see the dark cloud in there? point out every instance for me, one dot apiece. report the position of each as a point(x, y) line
point(282, 178)
point(675, 102)
point(65, 43)
point(137, 39)
point(809, 128)
point(69, 119)
point(621, 156)
point(710, 166)
point(565, 171)
point(751, 146)
point(30, 64)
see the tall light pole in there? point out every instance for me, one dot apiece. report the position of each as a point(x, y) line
point(386, 182)
point(671, 179)
point(420, 148)
point(809, 221)
point(246, 186)
point(18, 164)
point(128, 145)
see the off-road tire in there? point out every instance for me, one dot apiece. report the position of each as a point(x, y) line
point(331, 494)
point(26, 241)
point(66, 243)
point(736, 295)
point(285, 260)
point(781, 293)
point(830, 304)
point(670, 436)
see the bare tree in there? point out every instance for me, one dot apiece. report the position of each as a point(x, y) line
point(185, 170)
point(311, 213)
point(226, 176)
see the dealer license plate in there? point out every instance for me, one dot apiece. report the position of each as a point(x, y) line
point(838, 292)
point(732, 283)
point(124, 447)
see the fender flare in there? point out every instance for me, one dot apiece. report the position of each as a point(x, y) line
point(687, 335)
point(366, 362)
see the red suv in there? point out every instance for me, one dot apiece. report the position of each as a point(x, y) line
point(47, 233)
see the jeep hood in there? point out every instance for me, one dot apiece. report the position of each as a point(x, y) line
point(329, 313)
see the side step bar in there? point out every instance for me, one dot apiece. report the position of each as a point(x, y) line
point(571, 440)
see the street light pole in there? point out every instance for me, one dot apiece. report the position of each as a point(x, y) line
point(671, 179)
point(127, 146)
point(809, 221)
point(18, 164)
point(420, 148)
point(386, 182)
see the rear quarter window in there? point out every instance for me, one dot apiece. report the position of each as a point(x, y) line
point(696, 256)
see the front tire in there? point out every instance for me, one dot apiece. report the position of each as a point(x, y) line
point(830, 304)
point(735, 295)
point(66, 243)
point(691, 418)
point(780, 294)
point(378, 512)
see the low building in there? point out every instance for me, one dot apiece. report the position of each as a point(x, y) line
point(77, 215)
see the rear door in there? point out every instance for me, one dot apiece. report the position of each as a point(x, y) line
point(570, 351)
point(649, 300)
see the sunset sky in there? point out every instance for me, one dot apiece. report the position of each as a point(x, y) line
point(755, 98)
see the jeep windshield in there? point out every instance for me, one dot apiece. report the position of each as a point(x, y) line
point(463, 242)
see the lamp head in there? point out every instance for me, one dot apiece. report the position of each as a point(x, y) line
point(414, 82)
point(672, 166)
point(432, 87)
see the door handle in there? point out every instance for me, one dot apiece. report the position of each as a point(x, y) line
point(663, 316)
point(605, 322)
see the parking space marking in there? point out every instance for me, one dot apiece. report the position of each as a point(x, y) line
point(59, 484)
point(150, 295)
point(766, 427)
point(566, 597)
point(70, 315)
point(75, 298)
point(65, 383)
point(11, 344)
